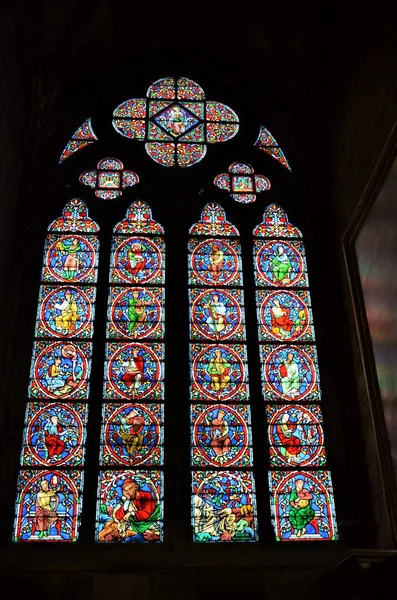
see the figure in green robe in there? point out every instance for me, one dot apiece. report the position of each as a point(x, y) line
point(281, 265)
point(136, 312)
point(301, 511)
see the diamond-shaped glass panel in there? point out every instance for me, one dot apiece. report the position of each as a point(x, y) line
point(176, 120)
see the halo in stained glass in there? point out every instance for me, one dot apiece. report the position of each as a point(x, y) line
point(137, 260)
point(275, 224)
point(54, 434)
point(115, 492)
point(135, 312)
point(284, 315)
point(216, 314)
point(219, 372)
point(280, 263)
point(134, 371)
point(290, 373)
point(221, 435)
point(65, 311)
point(302, 506)
point(82, 137)
point(60, 370)
point(132, 434)
point(296, 436)
point(48, 506)
point(214, 261)
point(224, 506)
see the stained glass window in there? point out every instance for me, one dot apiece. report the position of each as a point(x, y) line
point(82, 137)
point(130, 486)
point(175, 121)
point(301, 495)
point(50, 482)
point(242, 183)
point(267, 143)
point(109, 179)
point(223, 488)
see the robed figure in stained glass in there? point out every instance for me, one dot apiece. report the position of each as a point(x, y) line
point(219, 434)
point(46, 507)
point(134, 371)
point(301, 512)
point(136, 311)
point(217, 315)
point(218, 370)
point(135, 514)
point(289, 375)
point(70, 249)
point(65, 322)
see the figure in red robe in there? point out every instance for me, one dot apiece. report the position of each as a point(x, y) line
point(137, 513)
point(134, 371)
point(281, 323)
point(291, 444)
point(136, 261)
point(52, 436)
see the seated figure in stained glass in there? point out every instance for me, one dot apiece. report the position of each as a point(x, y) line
point(129, 509)
point(280, 263)
point(215, 262)
point(303, 505)
point(291, 372)
point(54, 434)
point(134, 370)
point(60, 370)
point(48, 506)
point(132, 434)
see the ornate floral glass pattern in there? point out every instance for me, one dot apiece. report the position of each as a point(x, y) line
point(82, 137)
point(301, 502)
point(130, 503)
point(175, 121)
point(267, 143)
point(109, 179)
point(223, 501)
point(242, 182)
point(49, 501)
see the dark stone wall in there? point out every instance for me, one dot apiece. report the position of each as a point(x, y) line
point(363, 109)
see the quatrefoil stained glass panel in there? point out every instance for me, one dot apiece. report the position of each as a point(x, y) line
point(175, 121)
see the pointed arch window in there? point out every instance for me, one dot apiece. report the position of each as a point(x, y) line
point(50, 483)
point(130, 487)
point(223, 489)
point(301, 495)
